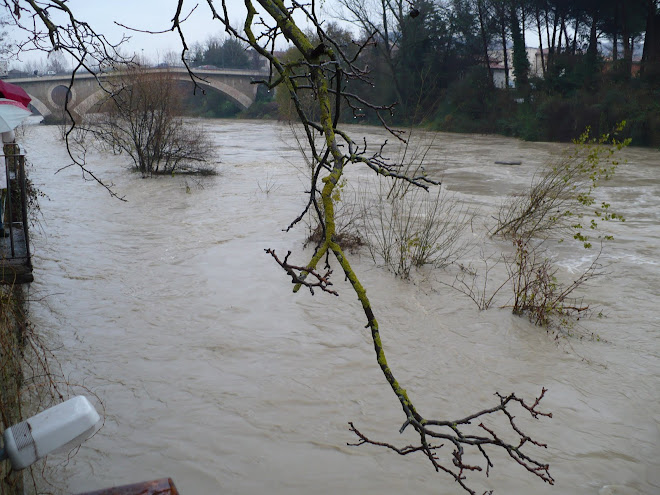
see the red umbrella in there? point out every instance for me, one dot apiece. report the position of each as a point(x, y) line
point(13, 92)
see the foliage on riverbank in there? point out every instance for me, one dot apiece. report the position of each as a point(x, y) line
point(30, 382)
point(559, 107)
point(464, 67)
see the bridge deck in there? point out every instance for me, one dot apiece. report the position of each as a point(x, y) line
point(87, 89)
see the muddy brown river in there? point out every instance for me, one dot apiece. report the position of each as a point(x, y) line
point(213, 373)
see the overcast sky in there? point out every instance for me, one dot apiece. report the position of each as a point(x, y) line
point(153, 15)
point(156, 15)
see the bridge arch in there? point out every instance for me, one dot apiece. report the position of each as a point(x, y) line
point(83, 107)
point(237, 96)
point(39, 105)
point(234, 94)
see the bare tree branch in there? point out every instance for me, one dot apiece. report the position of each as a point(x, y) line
point(319, 75)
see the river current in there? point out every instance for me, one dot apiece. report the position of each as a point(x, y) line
point(211, 372)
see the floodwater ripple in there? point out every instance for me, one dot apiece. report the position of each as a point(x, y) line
point(214, 374)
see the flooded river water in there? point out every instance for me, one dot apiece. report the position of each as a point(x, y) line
point(213, 373)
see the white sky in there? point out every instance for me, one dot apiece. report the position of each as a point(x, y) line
point(156, 15)
point(153, 15)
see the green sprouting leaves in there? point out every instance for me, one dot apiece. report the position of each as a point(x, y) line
point(562, 197)
point(598, 166)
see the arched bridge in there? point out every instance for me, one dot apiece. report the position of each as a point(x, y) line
point(49, 92)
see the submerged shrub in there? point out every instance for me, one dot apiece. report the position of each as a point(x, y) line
point(410, 227)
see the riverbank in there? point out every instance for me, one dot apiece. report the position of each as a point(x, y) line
point(545, 118)
point(556, 108)
point(550, 115)
point(12, 328)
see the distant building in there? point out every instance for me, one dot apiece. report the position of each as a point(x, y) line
point(536, 63)
point(496, 59)
point(499, 75)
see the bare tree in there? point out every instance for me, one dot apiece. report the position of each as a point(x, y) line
point(327, 67)
point(537, 291)
point(5, 42)
point(407, 227)
point(56, 62)
point(140, 118)
point(171, 59)
point(382, 21)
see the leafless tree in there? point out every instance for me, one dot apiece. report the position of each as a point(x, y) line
point(171, 59)
point(381, 21)
point(5, 43)
point(139, 118)
point(56, 62)
point(537, 291)
point(408, 228)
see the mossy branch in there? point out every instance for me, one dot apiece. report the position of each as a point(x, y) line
point(333, 162)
